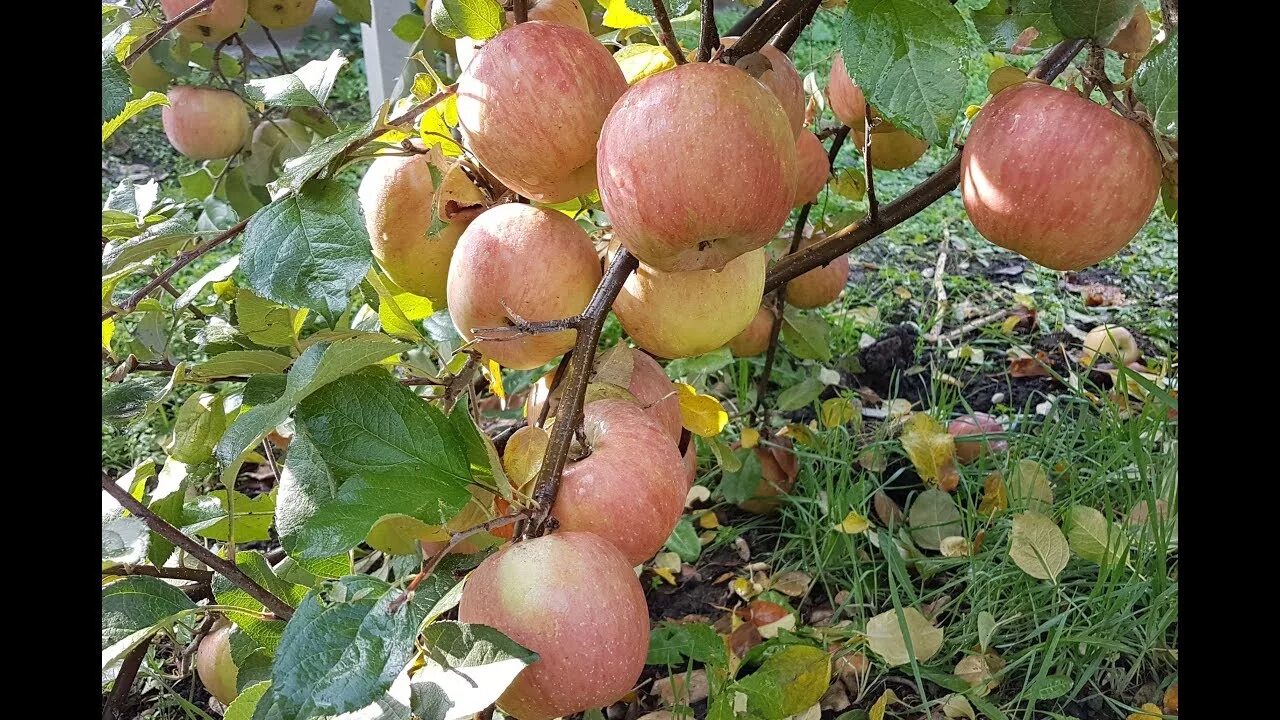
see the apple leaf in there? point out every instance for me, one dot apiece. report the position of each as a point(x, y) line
point(787, 683)
point(246, 702)
point(640, 60)
point(124, 539)
point(806, 335)
point(135, 394)
point(240, 362)
point(199, 425)
point(1093, 537)
point(684, 541)
point(266, 633)
point(115, 88)
point(207, 515)
point(304, 167)
point(700, 364)
point(265, 322)
point(159, 237)
point(138, 602)
point(933, 517)
point(467, 668)
point(740, 483)
point(409, 27)
point(931, 448)
point(886, 638)
point(1037, 546)
point(1002, 22)
point(1156, 85)
point(800, 395)
point(309, 249)
point(478, 19)
point(357, 11)
point(618, 15)
point(308, 86)
point(702, 415)
point(1097, 20)
point(675, 8)
point(1028, 487)
point(670, 642)
point(909, 57)
point(131, 108)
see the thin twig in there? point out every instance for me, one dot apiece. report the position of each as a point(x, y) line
point(969, 327)
point(749, 19)
point(764, 29)
point(459, 383)
point(169, 573)
point(164, 29)
point(940, 289)
point(279, 607)
point(709, 38)
point(124, 680)
point(796, 25)
point(668, 36)
point(279, 53)
point(873, 207)
point(521, 9)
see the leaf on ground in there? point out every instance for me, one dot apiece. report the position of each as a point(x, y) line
point(933, 517)
point(930, 447)
point(788, 682)
point(886, 639)
point(838, 411)
point(1037, 546)
point(995, 496)
point(853, 524)
point(1093, 537)
point(1028, 487)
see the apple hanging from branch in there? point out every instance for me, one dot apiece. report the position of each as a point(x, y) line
point(205, 124)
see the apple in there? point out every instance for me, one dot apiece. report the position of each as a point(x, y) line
point(690, 459)
point(630, 489)
point(697, 167)
point(287, 139)
point(561, 12)
point(531, 105)
point(280, 14)
point(783, 81)
point(682, 314)
point(145, 73)
point(1134, 38)
point(812, 168)
point(203, 123)
point(847, 100)
point(649, 384)
point(1111, 342)
point(214, 665)
point(778, 468)
point(537, 262)
point(976, 424)
point(755, 339)
point(216, 24)
point(821, 285)
point(1056, 177)
point(891, 148)
point(572, 598)
point(398, 197)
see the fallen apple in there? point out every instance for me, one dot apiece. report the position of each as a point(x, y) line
point(216, 24)
point(1110, 342)
point(812, 168)
point(678, 202)
point(754, 340)
point(1056, 177)
point(572, 598)
point(203, 123)
point(526, 260)
point(821, 285)
point(968, 451)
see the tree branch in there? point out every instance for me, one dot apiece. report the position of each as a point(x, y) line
point(796, 25)
point(764, 29)
point(749, 19)
point(873, 207)
point(576, 376)
point(227, 569)
point(124, 680)
point(521, 10)
point(668, 35)
point(709, 39)
point(279, 53)
point(429, 564)
point(169, 573)
point(1169, 13)
point(912, 202)
point(164, 29)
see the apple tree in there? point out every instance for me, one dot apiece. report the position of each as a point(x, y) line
point(347, 520)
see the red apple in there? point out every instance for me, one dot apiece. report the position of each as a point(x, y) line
point(891, 148)
point(280, 14)
point(536, 262)
point(812, 168)
point(690, 465)
point(783, 81)
point(203, 123)
point(560, 12)
point(846, 98)
point(531, 105)
point(572, 598)
point(1056, 177)
point(214, 666)
point(398, 197)
point(216, 24)
point(630, 489)
point(682, 314)
point(1134, 38)
point(755, 339)
point(976, 424)
point(696, 167)
point(821, 285)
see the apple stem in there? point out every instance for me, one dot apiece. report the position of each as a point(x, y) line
point(796, 25)
point(668, 35)
point(163, 30)
point(709, 39)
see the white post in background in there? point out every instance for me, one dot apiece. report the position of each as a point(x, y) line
point(384, 53)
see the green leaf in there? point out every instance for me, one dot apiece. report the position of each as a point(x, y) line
point(800, 395)
point(1156, 85)
point(1001, 23)
point(156, 238)
point(304, 167)
point(1049, 687)
point(684, 541)
point(468, 667)
point(136, 603)
point(124, 539)
point(115, 87)
point(670, 642)
point(218, 274)
point(131, 108)
point(806, 335)
point(206, 516)
point(409, 27)
point(701, 364)
point(389, 452)
point(344, 647)
point(787, 683)
point(133, 395)
point(309, 249)
point(741, 484)
point(318, 365)
point(265, 322)
point(1098, 20)
point(909, 58)
point(308, 86)
point(1037, 546)
point(240, 362)
point(357, 11)
point(166, 502)
point(246, 702)
point(933, 517)
point(266, 633)
point(850, 183)
point(1093, 537)
point(198, 427)
point(478, 19)
point(675, 8)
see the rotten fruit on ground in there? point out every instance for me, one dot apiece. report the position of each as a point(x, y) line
point(682, 314)
point(1112, 343)
point(976, 424)
point(754, 340)
point(526, 260)
point(412, 235)
point(630, 489)
point(1056, 177)
point(204, 123)
point(531, 105)
point(572, 598)
point(214, 666)
point(214, 25)
point(683, 200)
point(280, 14)
point(821, 285)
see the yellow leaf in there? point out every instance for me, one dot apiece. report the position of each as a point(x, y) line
point(877, 710)
point(885, 638)
point(929, 446)
point(494, 372)
point(436, 126)
point(618, 15)
point(665, 574)
point(1146, 712)
point(398, 311)
point(750, 437)
point(744, 588)
point(522, 458)
point(109, 329)
point(902, 292)
point(802, 434)
point(853, 524)
point(837, 411)
point(1010, 323)
point(995, 497)
point(955, 546)
point(708, 521)
point(802, 672)
point(970, 111)
point(640, 60)
point(702, 414)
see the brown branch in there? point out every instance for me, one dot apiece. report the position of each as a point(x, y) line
point(164, 29)
point(124, 680)
point(521, 9)
point(169, 573)
point(749, 19)
point(912, 202)
point(430, 564)
point(577, 374)
point(459, 383)
point(279, 53)
point(796, 25)
point(1169, 14)
point(873, 207)
point(668, 36)
point(227, 569)
point(709, 39)
point(520, 327)
point(764, 29)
